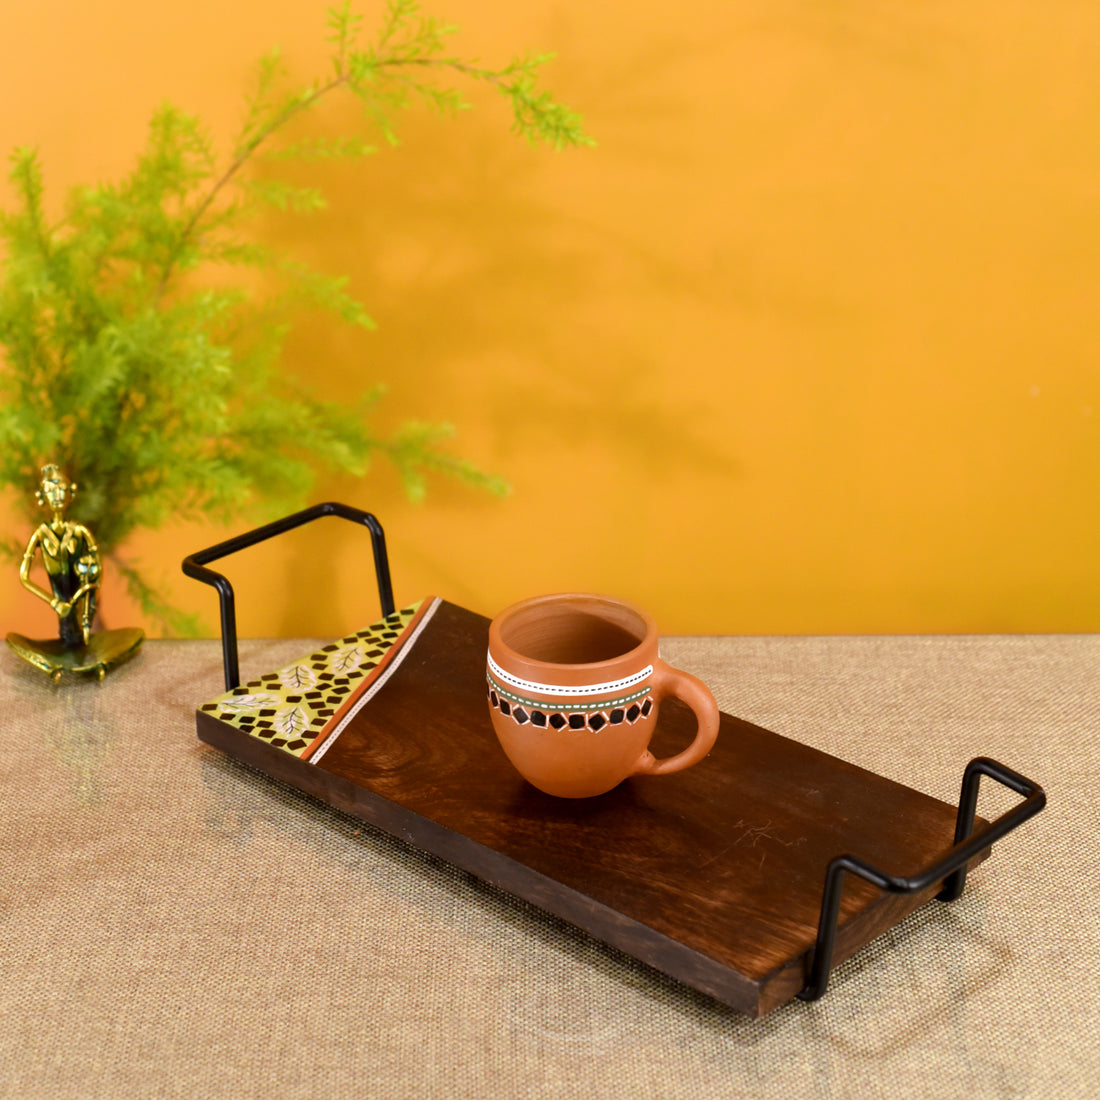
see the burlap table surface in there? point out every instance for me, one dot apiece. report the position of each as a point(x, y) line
point(173, 924)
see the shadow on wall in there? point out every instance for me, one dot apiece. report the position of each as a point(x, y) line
point(484, 290)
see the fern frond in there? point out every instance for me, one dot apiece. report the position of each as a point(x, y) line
point(159, 390)
point(344, 25)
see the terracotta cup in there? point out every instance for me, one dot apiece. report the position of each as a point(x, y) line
point(574, 684)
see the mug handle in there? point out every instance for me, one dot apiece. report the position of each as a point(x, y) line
point(669, 681)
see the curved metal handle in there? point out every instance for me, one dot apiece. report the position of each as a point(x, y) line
point(951, 870)
point(194, 565)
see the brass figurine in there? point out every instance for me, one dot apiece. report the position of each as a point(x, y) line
point(73, 567)
point(71, 558)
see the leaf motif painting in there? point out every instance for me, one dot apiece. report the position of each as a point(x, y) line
point(291, 722)
point(350, 657)
point(298, 676)
point(249, 702)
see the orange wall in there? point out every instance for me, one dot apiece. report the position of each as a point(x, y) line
point(809, 343)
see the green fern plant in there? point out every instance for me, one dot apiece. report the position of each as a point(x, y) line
point(162, 395)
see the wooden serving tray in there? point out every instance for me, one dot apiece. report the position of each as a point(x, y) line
point(713, 875)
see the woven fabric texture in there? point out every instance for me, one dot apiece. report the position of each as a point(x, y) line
point(175, 925)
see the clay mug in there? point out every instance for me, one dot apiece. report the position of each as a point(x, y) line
point(574, 684)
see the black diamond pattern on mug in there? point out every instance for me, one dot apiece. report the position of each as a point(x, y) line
point(575, 720)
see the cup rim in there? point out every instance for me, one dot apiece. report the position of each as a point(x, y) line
point(498, 647)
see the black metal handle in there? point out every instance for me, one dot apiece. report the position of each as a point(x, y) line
point(194, 565)
point(951, 870)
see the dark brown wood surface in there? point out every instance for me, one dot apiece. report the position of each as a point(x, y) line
point(712, 875)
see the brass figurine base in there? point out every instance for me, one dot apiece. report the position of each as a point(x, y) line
point(102, 651)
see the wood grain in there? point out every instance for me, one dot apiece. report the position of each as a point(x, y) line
point(712, 875)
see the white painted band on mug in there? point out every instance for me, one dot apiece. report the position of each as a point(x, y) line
point(609, 688)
